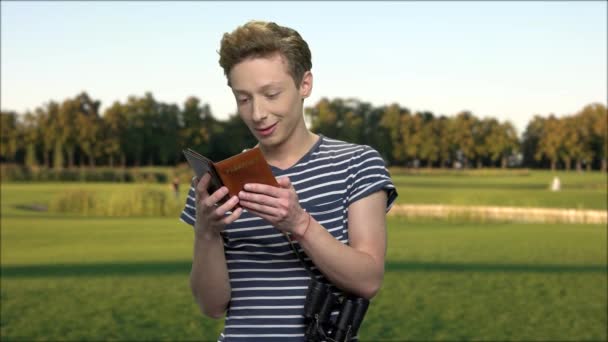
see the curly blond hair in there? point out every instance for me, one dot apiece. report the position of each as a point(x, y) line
point(262, 39)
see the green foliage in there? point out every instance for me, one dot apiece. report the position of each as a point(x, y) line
point(9, 136)
point(18, 173)
point(146, 131)
point(140, 201)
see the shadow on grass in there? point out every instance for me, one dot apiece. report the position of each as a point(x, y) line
point(183, 267)
point(397, 266)
point(98, 269)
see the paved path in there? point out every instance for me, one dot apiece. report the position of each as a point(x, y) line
point(513, 214)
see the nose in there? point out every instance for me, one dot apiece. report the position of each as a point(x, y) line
point(259, 112)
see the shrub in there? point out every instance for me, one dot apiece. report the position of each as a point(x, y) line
point(19, 173)
point(138, 201)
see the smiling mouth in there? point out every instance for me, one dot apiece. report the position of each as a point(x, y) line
point(267, 130)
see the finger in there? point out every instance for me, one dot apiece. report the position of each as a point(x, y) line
point(258, 213)
point(258, 198)
point(216, 196)
point(222, 209)
point(232, 217)
point(259, 208)
point(263, 189)
point(203, 183)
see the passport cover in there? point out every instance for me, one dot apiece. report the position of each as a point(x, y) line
point(234, 172)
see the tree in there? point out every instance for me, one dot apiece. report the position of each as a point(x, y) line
point(462, 134)
point(68, 114)
point(140, 113)
point(502, 142)
point(115, 133)
point(596, 116)
point(324, 120)
point(89, 127)
point(168, 130)
point(31, 136)
point(430, 135)
point(550, 141)
point(574, 144)
point(482, 131)
point(48, 121)
point(445, 145)
point(197, 125)
point(8, 136)
point(411, 136)
point(391, 122)
point(373, 133)
point(530, 142)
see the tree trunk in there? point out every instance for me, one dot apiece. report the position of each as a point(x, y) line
point(92, 161)
point(503, 162)
point(111, 160)
point(588, 165)
point(47, 159)
point(479, 163)
point(604, 165)
point(553, 163)
point(70, 157)
point(123, 163)
point(567, 161)
point(579, 166)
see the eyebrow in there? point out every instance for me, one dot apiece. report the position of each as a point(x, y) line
point(262, 88)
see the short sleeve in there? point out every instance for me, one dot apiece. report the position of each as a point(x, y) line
point(188, 214)
point(368, 174)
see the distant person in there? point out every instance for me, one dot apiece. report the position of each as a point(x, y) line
point(175, 186)
point(556, 184)
point(333, 198)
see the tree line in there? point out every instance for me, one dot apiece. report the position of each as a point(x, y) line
point(146, 131)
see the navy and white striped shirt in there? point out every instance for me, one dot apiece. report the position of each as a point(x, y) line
point(268, 282)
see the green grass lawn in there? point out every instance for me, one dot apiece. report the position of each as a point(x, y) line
point(587, 190)
point(127, 279)
point(68, 277)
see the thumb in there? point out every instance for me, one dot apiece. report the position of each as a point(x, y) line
point(284, 182)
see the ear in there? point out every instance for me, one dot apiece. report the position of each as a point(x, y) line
point(306, 85)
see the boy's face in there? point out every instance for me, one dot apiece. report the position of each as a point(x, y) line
point(267, 98)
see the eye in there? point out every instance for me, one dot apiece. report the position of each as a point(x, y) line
point(273, 95)
point(242, 100)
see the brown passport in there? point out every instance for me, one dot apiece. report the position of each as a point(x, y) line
point(234, 172)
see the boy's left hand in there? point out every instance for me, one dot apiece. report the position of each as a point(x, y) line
point(279, 206)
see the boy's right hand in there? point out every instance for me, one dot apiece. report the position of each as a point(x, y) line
point(210, 218)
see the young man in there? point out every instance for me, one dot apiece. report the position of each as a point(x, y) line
point(332, 200)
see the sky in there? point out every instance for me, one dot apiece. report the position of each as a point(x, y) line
point(508, 60)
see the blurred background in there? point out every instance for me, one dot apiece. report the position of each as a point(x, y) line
point(490, 115)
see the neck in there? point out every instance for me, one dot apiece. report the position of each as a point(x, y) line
point(292, 149)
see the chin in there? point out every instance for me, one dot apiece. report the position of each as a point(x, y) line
point(271, 141)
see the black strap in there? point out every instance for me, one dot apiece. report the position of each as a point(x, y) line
point(297, 253)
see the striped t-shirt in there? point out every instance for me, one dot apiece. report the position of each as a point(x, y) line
point(267, 281)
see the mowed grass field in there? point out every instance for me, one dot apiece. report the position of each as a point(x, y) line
point(94, 278)
point(585, 190)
